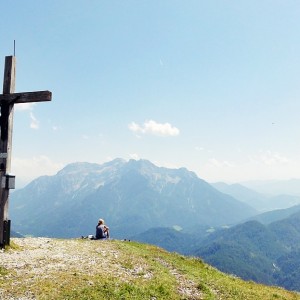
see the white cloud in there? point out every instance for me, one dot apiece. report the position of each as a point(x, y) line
point(262, 165)
point(166, 164)
point(27, 169)
point(270, 158)
point(24, 106)
point(220, 164)
point(154, 128)
point(28, 107)
point(134, 156)
point(199, 148)
point(34, 124)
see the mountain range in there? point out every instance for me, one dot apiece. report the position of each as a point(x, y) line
point(260, 201)
point(275, 187)
point(132, 196)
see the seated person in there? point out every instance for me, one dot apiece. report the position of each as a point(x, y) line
point(102, 231)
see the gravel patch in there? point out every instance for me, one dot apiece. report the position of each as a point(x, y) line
point(41, 259)
point(44, 258)
point(186, 287)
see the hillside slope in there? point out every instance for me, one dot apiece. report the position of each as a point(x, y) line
point(276, 215)
point(267, 254)
point(44, 268)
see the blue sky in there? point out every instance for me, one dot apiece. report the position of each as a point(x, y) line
point(212, 86)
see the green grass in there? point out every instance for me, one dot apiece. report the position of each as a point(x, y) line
point(211, 282)
point(151, 281)
point(3, 272)
point(74, 286)
point(12, 246)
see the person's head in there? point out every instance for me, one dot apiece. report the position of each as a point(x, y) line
point(100, 222)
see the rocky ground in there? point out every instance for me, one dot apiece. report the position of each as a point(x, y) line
point(36, 259)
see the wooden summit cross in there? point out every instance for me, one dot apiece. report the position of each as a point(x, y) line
point(7, 101)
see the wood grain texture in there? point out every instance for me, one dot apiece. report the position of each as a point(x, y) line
point(6, 125)
point(25, 97)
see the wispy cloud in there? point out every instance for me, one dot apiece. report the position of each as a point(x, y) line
point(154, 128)
point(24, 106)
point(270, 158)
point(217, 163)
point(134, 156)
point(271, 165)
point(197, 148)
point(29, 168)
point(34, 123)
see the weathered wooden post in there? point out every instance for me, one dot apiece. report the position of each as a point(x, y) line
point(7, 101)
point(6, 122)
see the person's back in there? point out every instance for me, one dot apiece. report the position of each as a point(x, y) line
point(102, 231)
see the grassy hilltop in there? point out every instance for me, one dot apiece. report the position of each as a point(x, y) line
point(43, 268)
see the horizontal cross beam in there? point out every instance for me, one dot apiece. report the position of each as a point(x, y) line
point(38, 96)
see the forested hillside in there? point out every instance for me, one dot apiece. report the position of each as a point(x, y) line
point(253, 251)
